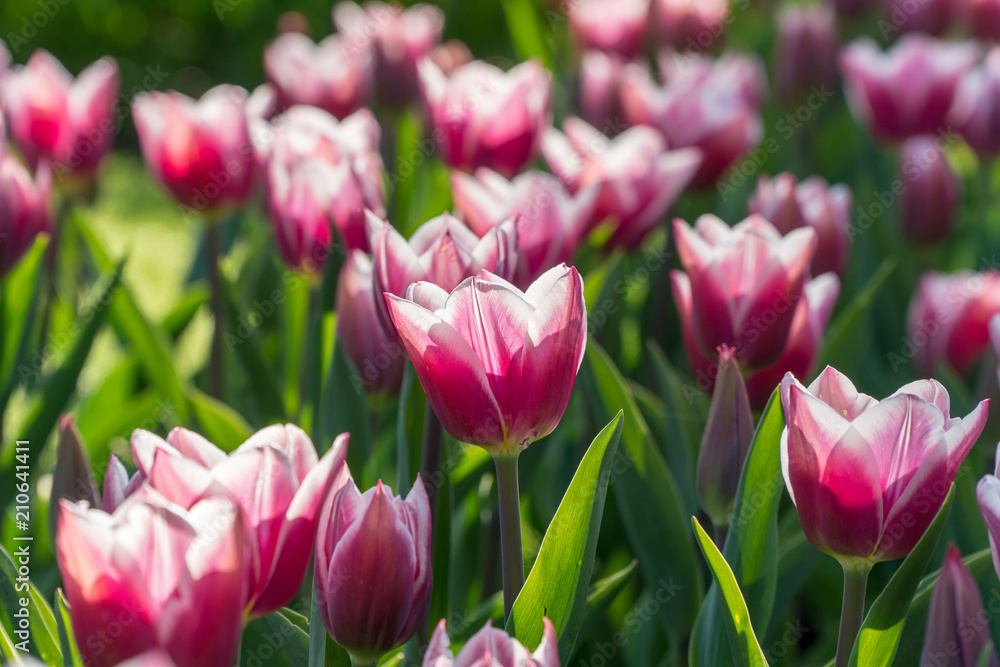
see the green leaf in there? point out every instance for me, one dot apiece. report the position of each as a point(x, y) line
point(323, 652)
point(558, 582)
point(839, 332)
point(746, 650)
point(42, 627)
point(180, 316)
point(288, 626)
point(20, 292)
point(879, 637)
point(525, 31)
point(7, 650)
point(219, 423)
point(66, 639)
point(344, 408)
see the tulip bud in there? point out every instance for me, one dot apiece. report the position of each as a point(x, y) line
point(976, 112)
point(600, 94)
point(297, 204)
point(692, 25)
point(613, 26)
point(806, 54)
point(25, 211)
point(932, 17)
point(932, 194)
point(954, 638)
point(373, 567)
point(494, 647)
point(982, 19)
point(726, 441)
point(72, 478)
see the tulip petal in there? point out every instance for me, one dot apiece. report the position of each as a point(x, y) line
point(988, 495)
point(181, 480)
point(195, 447)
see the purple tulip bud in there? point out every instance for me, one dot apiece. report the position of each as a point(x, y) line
point(933, 192)
point(933, 17)
point(806, 55)
point(976, 112)
point(691, 25)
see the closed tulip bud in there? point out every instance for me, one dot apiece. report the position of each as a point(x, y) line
point(494, 647)
point(745, 284)
point(25, 211)
point(954, 638)
point(298, 201)
point(199, 150)
point(481, 116)
point(276, 479)
point(868, 477)
point(600, 94)
point(550, 221)
point(401, 37)
point(906, 90)
point(174, 578)
point(373, 567)
point(638, 178)
point(613, 26)
point(982, 19)
point(336, 75)
point(933, 17)
point(790, 205)
point(72, 478)
point(806, 55)
point(497, 364)
point(948, 320)
point(932, 194)
point(693, 25)
point(976, 112)
point(725, 442)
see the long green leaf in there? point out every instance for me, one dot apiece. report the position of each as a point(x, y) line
point(220, 423)
point(294, 640)
point(558, 582)
point(343, 407)
point(8, 652)
point(70, 651)
point(20, 292)
point(846, 322)
point(525, 30)
point(42, 628)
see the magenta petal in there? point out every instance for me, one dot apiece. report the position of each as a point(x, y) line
point(195, 447)
point(180, 479)
point(439, 649)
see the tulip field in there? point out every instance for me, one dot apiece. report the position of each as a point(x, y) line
point(518, 333)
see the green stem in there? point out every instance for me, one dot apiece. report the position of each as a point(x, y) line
point(213, 248)
point(852, 612)
point(363, 661)
point(430, 459)
point(510, 530)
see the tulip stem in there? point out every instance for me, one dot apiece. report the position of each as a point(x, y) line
point(363, 662)
point(852, 612)
point(213, 249)
point(510, 530)
point(430, 459)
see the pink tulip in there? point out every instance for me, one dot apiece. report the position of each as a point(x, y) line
point(789, 205)
point(275, 478)
point(867, 477)
point(976, 112)
point(118, 485)
point(745, 283)
point(377, 357)
point(692, 25)
point(948, 320)
point(401, 37)
point(806, 55)
point(25, 211)
point(550, 221)
point(613, 26)
point(199, 150)
point(70, 123)
point(373, 567)
point(639, 179)
point(152, 575)
point(600, 91)
point(988, 495)
point(738, 74)
point(906, 90)
point(933, 192)
point(982, 18)
point(480, 116)
point(933, 17)
point(497, 364)
point(298, 203)
point(261, 107)
point(494, 647)
point(334, 75)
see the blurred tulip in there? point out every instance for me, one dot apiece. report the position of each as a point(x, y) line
point(906, 90)
point(261, 107)
point(293, 21)
point(976, 112)
point(334, 75)
point(806, 53)
point(401, 37)
point(480, 116)
point(164, 577)
point(933, 17)
point(450, 56)
point(25, 211)
point(613, 26)
point(550, 222)
point(199, 150)
point(745, 284)
point(494, 647)
point(70, 123)
point(853, 8)
point(298, 201)
point(733, 72)
point(932, 191)
point(373, 567)
point(956, 636)
point(948, 320)
point(789, 205)
point(988, 495)
point(497, 364)
point(692, 25)
point(982, 18)
point(639, 179)
point(867, 478)
point(600, 91)
point(72, 477)
point(277, 481)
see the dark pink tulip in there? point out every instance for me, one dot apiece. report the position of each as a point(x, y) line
point(933, 17)
point(199, 150)
point(401, 37)
point(982, 18)
point(613, 26)
point(956, 636)
point(600, 94)
point(550, 221)
point(867, 477)
point(334, 75)
point(639, 179)
point(745, 284)
point(690, 25)
point(277, 481)
point(494, 647)
point(298, 205)
point(906, 90)
point(933, 192)
point(806, 55)
point(497, 364)
point(373, 567)
point(481, 116)
point(70, 123)
point(790, 205)
point(976, 112)
point(173, 579)
point(377, 357)
point(25, 211)
point(948, 320)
